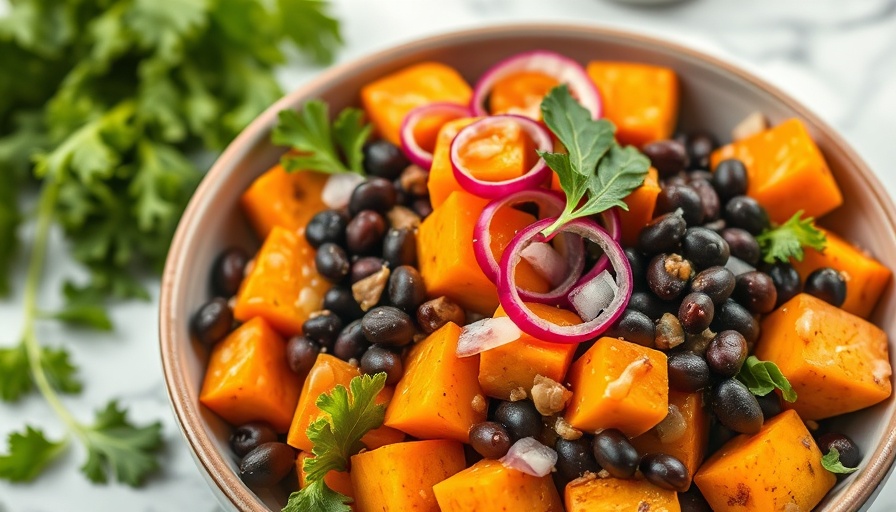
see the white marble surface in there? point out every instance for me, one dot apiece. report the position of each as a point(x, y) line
point(838, 57)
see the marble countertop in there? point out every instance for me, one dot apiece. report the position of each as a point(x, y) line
point(838, 57)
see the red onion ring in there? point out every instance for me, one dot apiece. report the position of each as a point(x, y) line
point(541, 329)
point(551, 203)
point(534, 177)
point(613, 225)
point(562, 68)
point(412, 149)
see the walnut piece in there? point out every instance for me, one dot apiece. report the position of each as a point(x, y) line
point(367, 291)
point(549, 396)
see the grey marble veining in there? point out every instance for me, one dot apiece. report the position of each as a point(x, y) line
point(837, 56)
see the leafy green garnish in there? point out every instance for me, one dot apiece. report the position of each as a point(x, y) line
point(29, 454)
point(318, 146)
point(336, 436)
point(595, 165)
point(15, 372)
point(787, 240)
point(831, 462)
point(763, 377)
point(116, 446)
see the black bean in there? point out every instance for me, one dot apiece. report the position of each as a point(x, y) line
point(365, 232)
point(731, 315)
point(637, 264)
point(212, 322)
point(375, 194)
point(228, 271)
point(433, 314)
point(743, 245)
point(755, 291)
point(726, 353)
point(634, 326)
point(667, 156)
point(365, 267)
point(692, 501)
point(662, 234)
point(709, 199)
point(735, 407)
point(850, 456)
point(400, 247)
point(716, 282)
point(668, 275)
point(698, 175)
point(384, 159)
point(704, 248)
point(665, 471)
point(770, 405)
point(422, 207)
point(351, 343)
point(650, 305)
point(827, 284)
point(267, 464)
point(380, 359)
point(521, 419)
point(673, 197)
point(696, 312)
point(340, 300)
point(745, 213)
point(326, 226)
point(730, 179)
point(700, 146)
point(490, 439)
point(688, 372)
point(574, 458)
point(301, 353)
point(332, 262)
point(406, 290)
point(786, 280)
point(680, 178)
point(615, 453)
point(387, 325)
point(250, 436)
point(323, 328)
point(717, 225)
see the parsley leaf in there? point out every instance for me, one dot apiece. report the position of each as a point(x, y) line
point(115, 445)
point(15, 374)
point(309, 26)
point(787, 240)
point(28, 454)
point(831, 462)
point(595, 164)
point(319, 497)
point(762, 377)
point(315, 142)
point(60, 370)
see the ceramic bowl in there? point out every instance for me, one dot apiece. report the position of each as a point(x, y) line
point(714, 95)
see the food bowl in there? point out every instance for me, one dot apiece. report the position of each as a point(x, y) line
point(714, 95)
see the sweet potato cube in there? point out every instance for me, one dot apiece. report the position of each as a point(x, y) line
point(617, 384)
point(489, 485)
point(515, 365)
point(865, 276)
point(521, 93)
point(327, 373)
point(446, 259)
point(641, 203)
point(400, 477)
point(835, 361)
point(388, 100)
point(248, 379)
point(589, 494)
point(779, 468)
point(439, 395)
point(690, 448)
point(283, 286)
point(285, 199)
point(786, 171)
point(640, 99)
point(339, 481)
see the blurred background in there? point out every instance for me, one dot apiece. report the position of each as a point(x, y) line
point(837, 57)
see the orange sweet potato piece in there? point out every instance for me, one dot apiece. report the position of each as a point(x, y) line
point(786, 171)
point(641, 203)
point(400, 477)
point(439, 395)
point(388, 100)
point(285, 199)
point(618, 495)
point(640, 99)
point(339, 481)
point(865, 276)
point(779, 468)
point(489, 485)
point(283, 286)
point(327, 373)
point(617, 384)
point(521, 93)
point(248, 379)
point(835, 361)
point(514, 365)
point(446, 259)
point(690, 448)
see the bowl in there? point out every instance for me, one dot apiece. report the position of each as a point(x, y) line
point(714, 95)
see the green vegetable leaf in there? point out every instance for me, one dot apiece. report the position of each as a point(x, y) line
point(762, 377)
point(787, 240)
point(15, 374)
point(28, 454)
point(309, 134)
point(93, 316)
point(351, 133)
point(59, 369)
point(831, 462)
point(309, 26)
point(596, 167)
point(319, 497)
point(116, 446)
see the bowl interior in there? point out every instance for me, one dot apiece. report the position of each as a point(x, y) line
point(714, 96)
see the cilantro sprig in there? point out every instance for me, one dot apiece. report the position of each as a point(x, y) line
point(336, 436)
point(831, 462)
point(763, 377)
point(596, 168)
point(787, 240)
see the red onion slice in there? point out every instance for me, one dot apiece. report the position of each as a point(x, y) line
point(534, 177)
point(541, 329)
point(592, 297)
point(486, 334)
point(338, 189)
point(412, 149)
point(530, 457)
point(611, 222)
point(563, 69)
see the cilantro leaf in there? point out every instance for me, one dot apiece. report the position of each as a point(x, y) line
point(29, 454)
point(319, 497)
point(116, 446)
point(60, 370)
point(595, 165)
point(9, 225)
point(351, 133)
point(787, 240)
point(309, 26)
point(15, 376)
point(831, 462)
point(309, 134)
point(762, 377)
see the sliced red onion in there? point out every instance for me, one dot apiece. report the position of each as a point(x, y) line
point(550, 204)
point(534, 177)
point(611, 222)
point(530, 457)
point(592, 297)
point(547, 262)
point(412, 149)
point(541, 329)
point(338, 189)
point(486, 334)
point(561, 68)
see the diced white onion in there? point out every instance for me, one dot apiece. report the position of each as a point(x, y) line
point(530, 457)
point(546, 261)
point(486, 334)
point(338, 189)
point(590, 298)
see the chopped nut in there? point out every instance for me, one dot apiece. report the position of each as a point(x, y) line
point(413, 180)
point(479, 404)
point(669, 333)
point(697, 343)
point(811, 424)
point(401, 217)
point(433, 314)
point(672, 427)
point(549, 395)
point(586, 477)
point(620, 387)
point(603, 473)
point(749, 126)
point(565, 430)
point(677, 266)
point(518, 394)
point(367, 291)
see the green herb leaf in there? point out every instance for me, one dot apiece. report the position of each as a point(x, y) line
point(309, 133)
point(116, 446)
point(15, 375)
point(307, 23)
point(763, 377)
point(59, 369)
point(28, 454)
point(93, 316)
point(319, 497)
point(787, 240)
point(831, 462)
point(351, 133)
point(595, 166)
